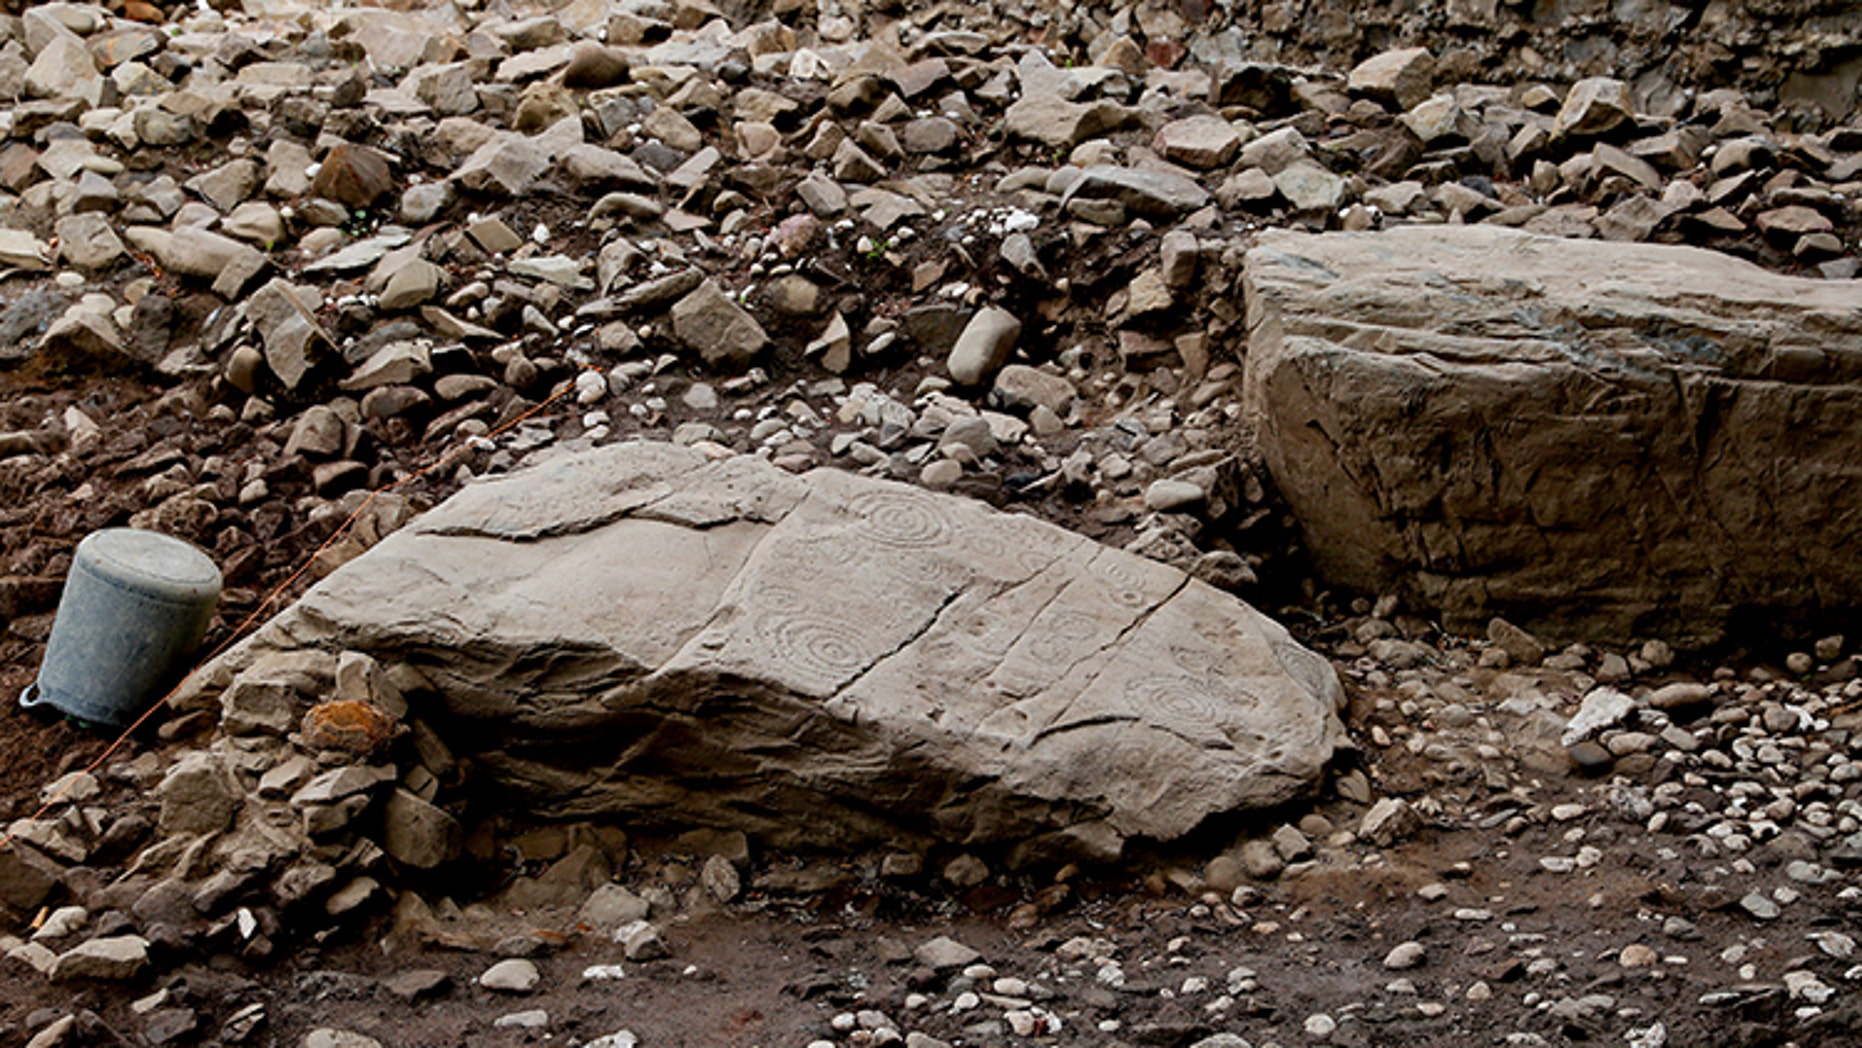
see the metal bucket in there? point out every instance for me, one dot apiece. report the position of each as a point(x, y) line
point(134, 608)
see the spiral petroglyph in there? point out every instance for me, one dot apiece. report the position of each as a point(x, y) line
point(1063, 636)
point(821, 649)
point(901, 520)
point(1197, 705)
point(1124, 582)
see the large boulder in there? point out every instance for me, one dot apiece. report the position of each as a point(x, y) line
point(825, 660)
point(1600, 440)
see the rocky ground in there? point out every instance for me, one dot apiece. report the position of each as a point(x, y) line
point(259, 264)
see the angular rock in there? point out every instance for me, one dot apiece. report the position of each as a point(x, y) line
point(853, 164)
point(1023, 387)
point(18, 247)
point(1154, 194)
point(423, 203)
point(116, 958)
point(1307, 187)
point(198, 796)
point(508, 165)
point(593, 167)
point(418, 834)
point(1202, 141)
point(1437, 118)
point(258, 708)
point(86, 331)
point(294, 340)
point(27, 878)
point(826, 658)
point(1276, 150)
point(446, 89)
point(612, 905)
point(708, 321)
point(1602, 708)
point(287, 167)
point(411, 285)
point(944, 954)
point(1403, 77)
point(64, 68)
point(1054, 121)
point(86, 241)
point(542, 105)
point(640, 941)
point(319, 432)
point(1593, 106)
point(934, 134)
point(354, 176)
point(1522, 647)
point(341, 783)
point(194, 252)
point(1579, 436)
point(227, 186)
point(1389, 821)
point(720, 878)
point(1632, 220)
point(256, 223)
point(1262, 86)
point(1177, 258)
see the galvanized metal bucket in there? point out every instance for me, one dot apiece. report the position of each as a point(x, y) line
point(133, 609)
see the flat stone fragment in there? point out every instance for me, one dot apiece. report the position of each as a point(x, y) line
point(1054, 121)
point(1586, 438)
point(190, 251)
point(20, 248)
point(1202, 141)
point(507, 165)
point(945, 954)
point(117, 957)
point(330, 1037)
point(826, 658)
point(1307, 187)
point(1156, 194)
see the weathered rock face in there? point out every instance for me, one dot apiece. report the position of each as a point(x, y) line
point(825, 659)
point(1596, 438)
